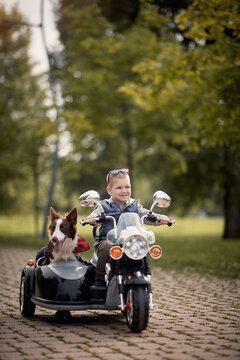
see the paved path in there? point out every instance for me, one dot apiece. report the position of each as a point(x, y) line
point(194, 318)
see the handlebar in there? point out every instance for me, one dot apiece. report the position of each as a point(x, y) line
point(98, 219)
point(101, 219)
point(85, 222)
point(171, 222)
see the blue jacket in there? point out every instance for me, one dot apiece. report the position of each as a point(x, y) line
point(110, 208)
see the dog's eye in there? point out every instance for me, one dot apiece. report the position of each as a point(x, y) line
point(64, 226)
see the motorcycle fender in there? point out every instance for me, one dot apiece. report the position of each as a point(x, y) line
point(112, 298)
point(136, 281)
point(29, 273)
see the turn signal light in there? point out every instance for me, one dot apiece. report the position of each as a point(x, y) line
point(30, 262)
point(155, 252)
point(116, 252)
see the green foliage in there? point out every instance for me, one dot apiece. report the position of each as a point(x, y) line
point(215, 70)
point(137, 98)
point(107, 127)
point(23, 121)
point(155, 91)
point(198, 89)
point(213, 20)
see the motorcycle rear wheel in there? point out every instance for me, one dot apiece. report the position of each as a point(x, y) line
point(27, 308)
point(137, 308)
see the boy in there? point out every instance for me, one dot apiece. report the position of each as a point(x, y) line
point(120, 201)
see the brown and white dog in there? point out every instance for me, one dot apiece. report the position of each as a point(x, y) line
point(63, 238)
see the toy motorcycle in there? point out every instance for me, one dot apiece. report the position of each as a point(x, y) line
point(68, 285)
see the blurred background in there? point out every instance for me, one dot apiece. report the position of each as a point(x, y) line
point(153, 86)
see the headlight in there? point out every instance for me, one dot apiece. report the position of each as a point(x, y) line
point(135, 247)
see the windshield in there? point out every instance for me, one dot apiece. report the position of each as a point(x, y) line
point(129, 220)
point(125, 220)
point(72, 269)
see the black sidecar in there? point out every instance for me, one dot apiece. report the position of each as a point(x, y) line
point(64, 286)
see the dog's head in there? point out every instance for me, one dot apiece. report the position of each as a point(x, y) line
point(62, 229)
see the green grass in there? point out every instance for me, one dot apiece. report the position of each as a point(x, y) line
point(190, 245)
point(195, 244)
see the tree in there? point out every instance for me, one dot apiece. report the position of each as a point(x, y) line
point(201, 88)
point(136, 84)
point(217, 24)
point(106, 126)
point(23, 121)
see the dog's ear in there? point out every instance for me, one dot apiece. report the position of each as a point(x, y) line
point(54, 214)
point(72, 216)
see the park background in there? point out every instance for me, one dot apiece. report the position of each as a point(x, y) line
point(152, 86)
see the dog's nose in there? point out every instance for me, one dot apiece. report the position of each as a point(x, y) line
point(54, 240)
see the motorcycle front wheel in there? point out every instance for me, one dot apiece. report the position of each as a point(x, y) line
point(137, 308)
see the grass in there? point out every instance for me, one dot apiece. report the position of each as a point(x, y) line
point(192, 244)
point(196, 245)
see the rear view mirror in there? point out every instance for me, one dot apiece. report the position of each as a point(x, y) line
point(160, 199)
point(89, 198)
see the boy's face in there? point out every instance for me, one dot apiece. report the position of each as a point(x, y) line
point(120, 190)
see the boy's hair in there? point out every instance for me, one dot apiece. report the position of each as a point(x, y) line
point(118, 176)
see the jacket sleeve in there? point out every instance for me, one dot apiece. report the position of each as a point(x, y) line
point(143, 211)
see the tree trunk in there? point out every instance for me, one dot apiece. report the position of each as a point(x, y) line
point(36, 196)
point(51, 190)
point(232, 196)
point(129, 151)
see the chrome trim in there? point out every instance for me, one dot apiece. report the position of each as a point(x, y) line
point(122, 305)
point(151, 304)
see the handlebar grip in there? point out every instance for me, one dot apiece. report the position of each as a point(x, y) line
point(171, 222)
point(101, 218)
point(154, 218)
point(84, 222)
point(151, 218)
point(98, 219)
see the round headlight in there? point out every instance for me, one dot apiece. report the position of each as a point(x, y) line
point(135, 247)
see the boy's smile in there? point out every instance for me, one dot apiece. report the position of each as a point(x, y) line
point(120, 190)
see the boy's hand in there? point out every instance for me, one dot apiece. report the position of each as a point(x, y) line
point(93, 223)
point(160, 220)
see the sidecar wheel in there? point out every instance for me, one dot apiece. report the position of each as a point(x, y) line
point(27, 308)
point(63, 316)
point(137, 308)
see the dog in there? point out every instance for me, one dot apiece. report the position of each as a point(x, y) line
point(64, 242)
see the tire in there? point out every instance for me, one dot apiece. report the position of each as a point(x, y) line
point(137, 308)
point(63, 316)
point(27, 308)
